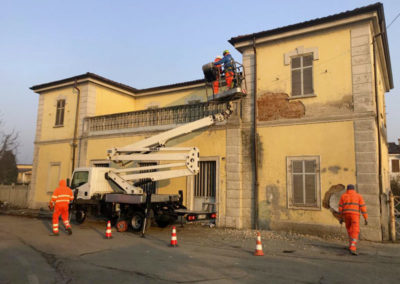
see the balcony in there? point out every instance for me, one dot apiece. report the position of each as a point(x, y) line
point(153, 118)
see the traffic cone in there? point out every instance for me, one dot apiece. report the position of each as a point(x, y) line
point(258, 251)
point(108, 230)
point(174, 241)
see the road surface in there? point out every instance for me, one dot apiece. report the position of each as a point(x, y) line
point(204, 255)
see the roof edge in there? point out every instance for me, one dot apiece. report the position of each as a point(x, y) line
point(87, 75)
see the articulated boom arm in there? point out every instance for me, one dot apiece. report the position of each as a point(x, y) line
point(175, 161)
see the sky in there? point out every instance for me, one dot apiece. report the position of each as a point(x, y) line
point(142, 44)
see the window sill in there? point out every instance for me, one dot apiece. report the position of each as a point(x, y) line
point(58, 126)
point(305, 208)
point(302, 97)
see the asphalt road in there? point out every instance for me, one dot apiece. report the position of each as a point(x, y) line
point(204, 255)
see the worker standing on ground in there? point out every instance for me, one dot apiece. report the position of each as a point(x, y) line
point(60, 200)
point(350, 205)
point(216, 82)
point(228, 62)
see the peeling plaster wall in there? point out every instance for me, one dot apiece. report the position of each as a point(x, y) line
point(332, 142)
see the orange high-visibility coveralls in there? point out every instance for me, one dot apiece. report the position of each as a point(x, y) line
point(216, 82)
point(60, 199)
point(350, 205)
point(229, 78)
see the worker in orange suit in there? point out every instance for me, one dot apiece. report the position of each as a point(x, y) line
point(60, 200)
point(228, 62)
point(350, 205)
point(216, 82)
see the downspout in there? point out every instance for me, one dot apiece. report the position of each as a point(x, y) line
point(74, 145)
point(379, 133)
point(255, 136)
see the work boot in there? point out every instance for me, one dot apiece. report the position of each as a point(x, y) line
point(69, 231)
point(353, 252)
point(54, 235)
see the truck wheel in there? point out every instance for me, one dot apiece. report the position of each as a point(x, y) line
point(80, 216)
point(165, 220)
point(137, 221)
point(122, 225)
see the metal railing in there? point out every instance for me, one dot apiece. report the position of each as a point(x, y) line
point(397, 216)
point(153, 117)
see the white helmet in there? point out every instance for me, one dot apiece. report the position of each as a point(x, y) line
point(218, 56)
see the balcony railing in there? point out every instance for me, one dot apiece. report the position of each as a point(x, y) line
point(153, 117)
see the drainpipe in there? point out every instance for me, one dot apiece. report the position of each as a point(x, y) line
point(255, 133)
point(76, 125)
point(378, 121)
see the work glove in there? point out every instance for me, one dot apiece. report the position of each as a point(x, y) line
point(366, 222)
point(51, 207)
point(341, 221)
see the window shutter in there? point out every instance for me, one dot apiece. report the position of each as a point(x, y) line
point(395, 166)
point(298, 197)
point(310, 189)
point(308, 81)
point(296, 82)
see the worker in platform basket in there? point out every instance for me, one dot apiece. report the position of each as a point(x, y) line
point(350, 205)
point(60, 200)
point(216, 82)
point(228, 62)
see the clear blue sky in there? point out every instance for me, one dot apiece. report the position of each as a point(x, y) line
point(141, 44)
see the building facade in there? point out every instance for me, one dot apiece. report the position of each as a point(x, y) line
point(313, 117)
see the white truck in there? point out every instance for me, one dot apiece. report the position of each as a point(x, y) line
point(115, 193)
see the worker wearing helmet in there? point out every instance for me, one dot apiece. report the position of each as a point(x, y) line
point(216, 82)
point(60, 200)
point(228, 62)
point(350, 205)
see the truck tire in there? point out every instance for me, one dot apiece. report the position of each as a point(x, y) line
point(165, 220)
point(137, 221)
point(80, 216)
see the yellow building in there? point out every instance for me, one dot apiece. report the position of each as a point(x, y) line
point(318, 88)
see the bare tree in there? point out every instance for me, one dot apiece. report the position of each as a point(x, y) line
point(8, 164)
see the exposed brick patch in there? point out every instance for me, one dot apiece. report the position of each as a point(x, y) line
point(273, 106)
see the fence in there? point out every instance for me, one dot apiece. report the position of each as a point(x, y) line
point(153, 117)
point(397, 216)
point(15, 195)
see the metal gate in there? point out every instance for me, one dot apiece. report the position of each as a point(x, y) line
point(205, 186)
point(397, 216)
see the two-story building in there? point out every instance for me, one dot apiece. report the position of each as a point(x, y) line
point(314, 117)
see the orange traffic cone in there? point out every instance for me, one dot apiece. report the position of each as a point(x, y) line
point(258, 251)
point(174, 241)
point(108, 230)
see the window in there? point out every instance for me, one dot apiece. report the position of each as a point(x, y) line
point(79, 179)
point(205, 181)
point(395, 166)
point(53, 177)
point(303, 182)
point(60, 113)
point(302, 79)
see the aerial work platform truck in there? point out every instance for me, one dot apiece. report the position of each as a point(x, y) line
point(118, 193)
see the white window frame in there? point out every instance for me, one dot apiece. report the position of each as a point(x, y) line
point(289, 182)
point(190, 185)
point(60, 113)
point(302, 68)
